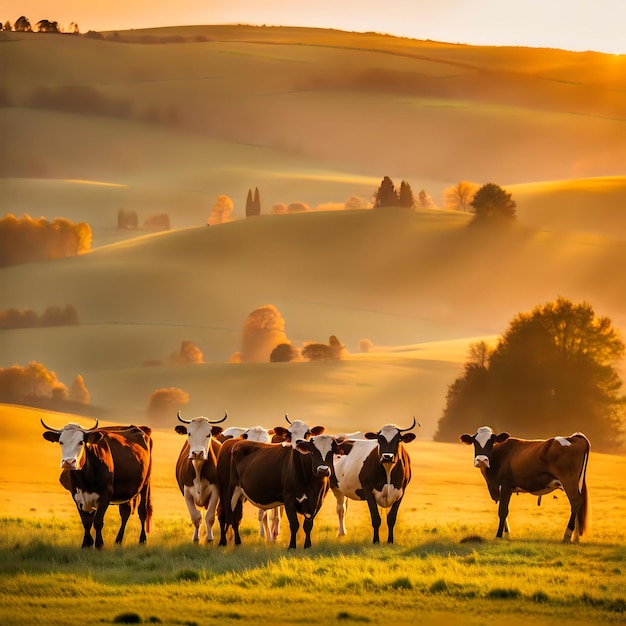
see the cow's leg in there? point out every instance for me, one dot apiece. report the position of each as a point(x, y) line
point(342, 509)
point(209, 517)
point(224, 523)
point(391, 519)
point(194, 514)
point(142, 511)
point(98, 522)
point(236, 517)
point(87, 520)
point(264, 527)
point(375, 515)
point(307, 525)
point(294, 524)
point(275, 515)
point(576, 500)
point(503, 510)
point(125, 510)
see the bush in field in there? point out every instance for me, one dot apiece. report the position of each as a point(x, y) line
point(331, 351)
point(165, 402)
point(283, 353)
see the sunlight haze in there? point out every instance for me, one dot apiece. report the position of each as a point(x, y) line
point(567, 24)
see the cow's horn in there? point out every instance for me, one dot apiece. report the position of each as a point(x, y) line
point(54, 430)
point(403, 430)
point(93, 427)
point(181, 419)
point(219, 421)
point(287, 418)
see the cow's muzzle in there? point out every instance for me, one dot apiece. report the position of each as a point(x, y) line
point(323, 470)
point(481, 462)
point(387, 457)
point(197, 455)
point(70, 464)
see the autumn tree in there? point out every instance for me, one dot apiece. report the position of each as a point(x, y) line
point(263, 330)
point(220, 213)
point(551, 373)
point(79, 391)
point(19, 385)
point(424, 200)
point(165, 402)
point(491, 203)
point(459, 196)
point(188, 353)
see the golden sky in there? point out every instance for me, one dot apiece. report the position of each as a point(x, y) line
point(568, 24)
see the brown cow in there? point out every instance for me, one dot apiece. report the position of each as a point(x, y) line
point(536, 466)
point(103, 466)
point(196, 470)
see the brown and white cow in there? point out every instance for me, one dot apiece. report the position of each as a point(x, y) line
point(196, 470)
point(535, 466)
point(295, 474)
point(103, 466)
point(376, 469)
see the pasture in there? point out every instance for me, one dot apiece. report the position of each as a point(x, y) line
point(445, 566)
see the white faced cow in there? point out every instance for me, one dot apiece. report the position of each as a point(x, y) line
point(536, 466)
point(196, 470)
point(103, 466)
point(376, 469)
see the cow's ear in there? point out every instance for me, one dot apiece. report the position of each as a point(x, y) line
point(181, 430)
point(408, 437)
point(346, 446)
point(317, 430)
point(50, 436)
point(371, 435)
point(281, 431)
point(93, 437)
point(304, 447)
point(468, 439)
point(216, 430)
point(502, 437)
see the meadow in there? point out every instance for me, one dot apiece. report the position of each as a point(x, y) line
point(319, 117)
point(445, 564)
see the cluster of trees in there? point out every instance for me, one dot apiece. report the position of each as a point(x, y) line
point(27, 318)
point(25, 240)
point(34, 385)
point(22, 24)
point(263, 339)
point(129, 220)
point(551, 373)
point(253, 203)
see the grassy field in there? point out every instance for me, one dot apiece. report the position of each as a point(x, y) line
point(445, 566)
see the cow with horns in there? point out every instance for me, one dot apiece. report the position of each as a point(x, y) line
point(295, 474)
point(536, 466)
point(103, 466)
point(196, 470)
point(376, 469)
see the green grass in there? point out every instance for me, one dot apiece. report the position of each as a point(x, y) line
point(427, 576)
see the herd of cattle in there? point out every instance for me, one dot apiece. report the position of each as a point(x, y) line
point(290, 470)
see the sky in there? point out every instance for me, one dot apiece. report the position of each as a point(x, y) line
point(568, 24)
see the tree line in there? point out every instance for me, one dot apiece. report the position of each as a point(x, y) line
point(26, 239)
point(27, 318)
point(22, 25)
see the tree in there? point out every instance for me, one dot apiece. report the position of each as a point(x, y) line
point(188, 353)
point(46, 26)
point(405, 196)
point(386, 195)
point(158, 222)
point(284, 353)
point(79, 391)
point(263, 330)
point(552, 373)
point(7, 25)
point(424, 200)
point(220, 213)
point(331, 351)
point(22, 24)
point(253, 204)
point(459, 196)
point(491, 203)
point(164, 402)
point(257, 202)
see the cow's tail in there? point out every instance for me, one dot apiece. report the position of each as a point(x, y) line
point(584, 513)
point(148, 491)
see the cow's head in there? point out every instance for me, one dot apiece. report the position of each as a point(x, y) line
point(483, 441)
point(258, 433)
point(389, 438)
point(322, 449)
point(73, 440)
point(297, 431)
point(199, 431)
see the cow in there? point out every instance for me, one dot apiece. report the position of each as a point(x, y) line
point(103, 466)
point(376, 469)
point(295, 474)
point(537, 466)
point(196, 470)
point(269, 521)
